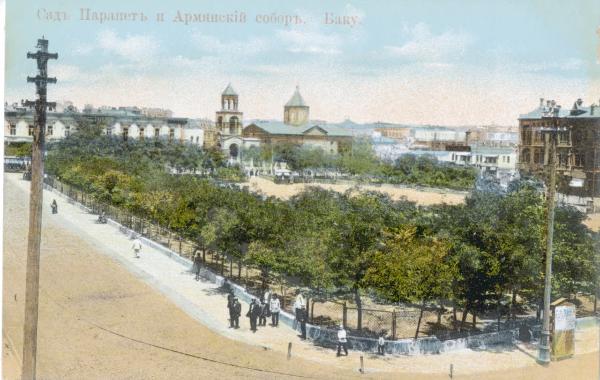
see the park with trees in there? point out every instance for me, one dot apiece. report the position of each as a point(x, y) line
point(480, 257)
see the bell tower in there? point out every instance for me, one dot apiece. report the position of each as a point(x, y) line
point(229, 119)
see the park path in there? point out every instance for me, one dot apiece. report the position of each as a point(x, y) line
point(101, 247)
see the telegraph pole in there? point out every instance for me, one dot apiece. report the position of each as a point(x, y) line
point(544, 347)
point(32, 277)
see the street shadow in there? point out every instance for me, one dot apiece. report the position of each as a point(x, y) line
point(221, 290)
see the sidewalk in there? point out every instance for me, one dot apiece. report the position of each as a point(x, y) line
point(206, 303)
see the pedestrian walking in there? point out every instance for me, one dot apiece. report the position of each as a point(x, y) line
point(302, 319)
point(253, 313)
point(235, 313)
point(54, 206)
point(230, 309)
point(102, 217)
point(297, 306)
point(264, 310)
point(275, 308)
point(342, 341)
point(197, 265)
point(381, 345)
point(137, 247)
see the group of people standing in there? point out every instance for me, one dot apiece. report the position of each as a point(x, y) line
point(258, 311)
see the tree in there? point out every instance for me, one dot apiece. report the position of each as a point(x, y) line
point(357, 234)
point(412, 268)
point(574, 262)
point(360, 159)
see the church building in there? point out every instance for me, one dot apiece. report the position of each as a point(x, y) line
point(297, 128)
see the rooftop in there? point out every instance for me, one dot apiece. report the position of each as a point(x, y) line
point(229, 90)
point(296, 100)
point(280, 128)
point(551, 109)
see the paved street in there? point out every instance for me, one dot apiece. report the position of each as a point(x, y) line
point(100, 307)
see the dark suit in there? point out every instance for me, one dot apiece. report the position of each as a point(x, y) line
point(302, 318)
point(253, 314)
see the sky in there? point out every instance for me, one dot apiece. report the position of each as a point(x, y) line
point(422, 62)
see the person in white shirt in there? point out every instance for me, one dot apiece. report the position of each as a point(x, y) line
point(342, 341)
point(381, 345)
point(298, 303)
point(137, 247)
point(267, 296)
point(275, 307)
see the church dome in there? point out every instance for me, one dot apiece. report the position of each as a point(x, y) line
point(296, 100)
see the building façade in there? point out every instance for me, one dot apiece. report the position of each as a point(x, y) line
point(578, 146)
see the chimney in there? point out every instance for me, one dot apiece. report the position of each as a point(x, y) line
point(556, 110)
point(541, 103)
point(579, 102)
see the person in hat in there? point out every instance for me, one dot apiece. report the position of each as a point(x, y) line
point(264, 310)
point(297, 307)
point(236, 311)
point(275, 308)
point(342, 341)
point(230, 309)
point(198, 266)
point(253, 313)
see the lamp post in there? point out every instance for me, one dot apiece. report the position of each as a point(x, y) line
point(544, 347)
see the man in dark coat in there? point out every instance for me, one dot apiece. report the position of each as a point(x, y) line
point(230, 299)
point(264, 312)
point(253, 313)
point(236, 311)
point(302, 318)
point(197, 266)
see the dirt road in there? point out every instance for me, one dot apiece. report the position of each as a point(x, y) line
point(91, 310)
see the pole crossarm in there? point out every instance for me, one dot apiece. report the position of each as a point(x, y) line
point(36, 103)
point(38, 80)
point(42, 55)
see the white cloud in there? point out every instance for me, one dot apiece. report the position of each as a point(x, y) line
point(134, 48)
point(217, 46)
point(83, 49)
point(66, 73)
point(424, 46)
point(310, 41)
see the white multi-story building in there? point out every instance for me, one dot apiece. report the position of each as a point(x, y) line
point(496, 161)
point(126, 122)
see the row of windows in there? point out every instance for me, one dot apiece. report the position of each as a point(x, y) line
point(50, 131)
point(538, 137)
point(12, 130)
point(480, 159)
point(125, 133)
point(577, 159)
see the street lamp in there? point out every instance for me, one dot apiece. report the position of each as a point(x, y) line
point(553, 129)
